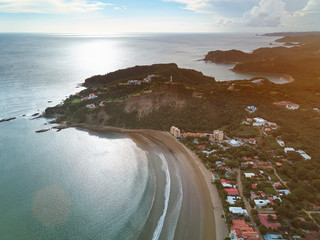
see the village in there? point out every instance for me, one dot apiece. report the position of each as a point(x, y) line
point(250, 187)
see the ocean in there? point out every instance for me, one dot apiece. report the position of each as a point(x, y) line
point(77, 184)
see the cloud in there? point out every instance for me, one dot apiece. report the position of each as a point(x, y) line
point(50, 6)
point(268, 13)
point(237, 14)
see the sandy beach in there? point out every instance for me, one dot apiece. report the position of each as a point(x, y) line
point(200, 215)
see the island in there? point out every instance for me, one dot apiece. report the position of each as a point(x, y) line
point(259, 141)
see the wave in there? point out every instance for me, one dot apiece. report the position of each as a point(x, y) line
point(157, 231)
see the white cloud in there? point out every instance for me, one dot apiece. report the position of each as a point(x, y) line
point(50, 6)
point(266, 14)
point(269, 13)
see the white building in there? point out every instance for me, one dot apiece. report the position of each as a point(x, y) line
point(304, 155)
point(259, 121)
point(238, 211)
point(249, 175)
point(284, 192)
point(175, 131)
point(232, 199)
point(261, 203)
point(135, 82)
point(281, 143)
point(292, 106)
point(288, 149)
point(235, 143)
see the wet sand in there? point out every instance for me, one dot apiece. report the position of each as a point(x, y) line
point(200, 215)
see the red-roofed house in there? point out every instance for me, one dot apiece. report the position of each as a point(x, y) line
point(264, 220)
point(240, 231)
point(232, 191)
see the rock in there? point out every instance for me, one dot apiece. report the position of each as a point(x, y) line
point(7, 119)
point(42, 130)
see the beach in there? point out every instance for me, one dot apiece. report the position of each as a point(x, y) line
point(200, 215)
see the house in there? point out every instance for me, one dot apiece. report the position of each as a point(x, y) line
point(201, 146)
point(249, 175)
point(286, 150)
point(272, 125)
point(292, 106)
point(134, 82)
point(260, 121)
point(252, 141)
point(101, 104)
point(284, 192)
point(240, 231)
point(304, 155)
point(232, 199)
point(249, 120)
point(316, 109)
point(91, 106)
point(281, 143)
point(272, 237)
point(234, 143)
point(264, 219)
point(238, 211)
point(92, 96)
point(261, 202)
point(232, 191)
point(251, 109)
point(225, 183)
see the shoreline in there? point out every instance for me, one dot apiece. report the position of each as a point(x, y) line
point(196, 183)
point(284, 76)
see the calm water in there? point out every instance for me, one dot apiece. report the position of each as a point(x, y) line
point(75, 184)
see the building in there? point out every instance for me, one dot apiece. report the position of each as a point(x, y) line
point(272, 237)
point(252, 141)
point(232, 191)
point(134, 82)
point(218, 135)
point(261, 203)
point(235, 143)
point(242, 231)
point(238, 211)
point(292, 106)
point(281, 143)
point(175, 132)
point(249, 175)
point(232, 199)
point(286, 150)
point(265, 221)
point(91, 106)
point(304, 155)
point(92, 96)
point(225, 183)
point(251, 109)
point(193, 135)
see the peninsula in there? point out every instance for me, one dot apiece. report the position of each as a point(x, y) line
point(268, 152)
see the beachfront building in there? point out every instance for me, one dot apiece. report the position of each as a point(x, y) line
point(175, 131)
point(218, 135)
point(238, 211)
point(240, 231)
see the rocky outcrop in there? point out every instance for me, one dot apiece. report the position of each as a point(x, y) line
point(167, 95)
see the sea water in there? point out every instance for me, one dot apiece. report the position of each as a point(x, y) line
point(77, 184)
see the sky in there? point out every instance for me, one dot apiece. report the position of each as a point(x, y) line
point(117, 16)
